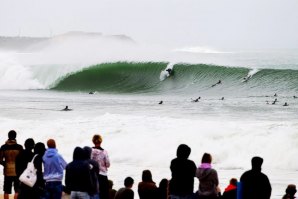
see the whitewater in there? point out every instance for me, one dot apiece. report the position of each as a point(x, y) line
point(38, 81)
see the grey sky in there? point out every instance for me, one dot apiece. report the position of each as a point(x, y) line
point(214, 23)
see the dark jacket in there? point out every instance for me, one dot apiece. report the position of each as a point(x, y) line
point(208, 181)
point(77, 176)
point(22, 160)
point(8, 153)
point(147, 190)
point(124, 193)
point(183, 173)
point(255, 185)
point(230, 192)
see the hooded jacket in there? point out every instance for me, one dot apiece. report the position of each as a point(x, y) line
point(78, 173)
point(54, 164)
point(208, 181)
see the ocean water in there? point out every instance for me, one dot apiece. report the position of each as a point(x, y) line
point(138, 132)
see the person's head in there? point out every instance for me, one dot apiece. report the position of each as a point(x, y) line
point(111, 184)
point(51, 143)
point(207, 158)
point(97, 140)
point(183, 151)
point(12, 135)
point(39, 148)
point(128, 182)
point(163, 184)
point(29, 144)
point(256, 163)
point(291, 189)
point(88, 151)
point(233, 181)
point(147, 176)
point(79, 154)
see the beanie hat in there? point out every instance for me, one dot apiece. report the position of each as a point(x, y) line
point(97, 139)
point(51, 143)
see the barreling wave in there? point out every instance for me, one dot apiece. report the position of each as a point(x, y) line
point(133, 77)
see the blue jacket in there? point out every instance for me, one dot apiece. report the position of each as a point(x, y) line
point(54, 164)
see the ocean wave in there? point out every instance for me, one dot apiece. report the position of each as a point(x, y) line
point(143, 77)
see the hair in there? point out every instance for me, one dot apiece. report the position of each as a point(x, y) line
point(233, 181)
point(39, 148)
point(291, 189)
point(12, 134)
point(147, 176)
point(128, 182)
point(183, 151)
point(51, 143)
point(207, 158)
point(29, 144)
point(111, 183)
point(97, 139)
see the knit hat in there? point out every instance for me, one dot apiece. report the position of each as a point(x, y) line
point(97, 139)
point(51, 143)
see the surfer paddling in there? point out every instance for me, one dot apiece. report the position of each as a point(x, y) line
point(66, 109)
point(219, 82)
point(196, 100)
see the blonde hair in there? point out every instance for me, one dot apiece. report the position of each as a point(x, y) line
point(97, 139)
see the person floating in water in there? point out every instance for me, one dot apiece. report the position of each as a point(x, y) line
point(286, 104)
point(222, 98)
point(160, 102)
point(170, 71)
point(196, 100)
point(66, 109)
point(275, 95)
point(219, 82)
point(91, 92)
point(295, 97)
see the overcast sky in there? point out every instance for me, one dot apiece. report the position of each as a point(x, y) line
point(214, 23)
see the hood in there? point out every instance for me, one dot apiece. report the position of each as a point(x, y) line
point(203, 173)
point(50, 152)
point(79, 154)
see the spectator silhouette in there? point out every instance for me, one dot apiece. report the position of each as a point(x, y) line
point(54, 166)
point(21, 163)
point(100, 155)
point(8, 153)
point(290, 192)
point(112, 192)
point(126, 192)
point(183, 173)
point(208, 188)
point(147, 188)
point(231, 190)
point(255, 184)
point(39, 187)
point(163, 189)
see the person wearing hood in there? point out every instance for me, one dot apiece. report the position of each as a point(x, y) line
point(8, 153)
point(94, 170)
point(208, 187)
point(78, 175)
point(183, 172)
point(54, 166)
point(254, 183)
